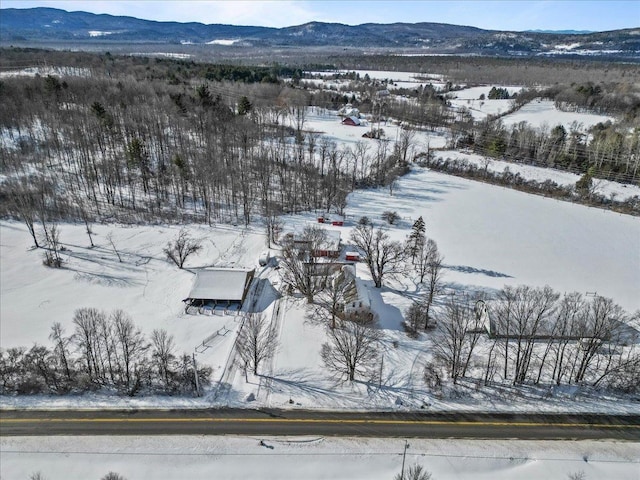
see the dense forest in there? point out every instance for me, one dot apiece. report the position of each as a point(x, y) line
point(133, 138)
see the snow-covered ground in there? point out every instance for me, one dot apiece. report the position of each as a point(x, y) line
point(328, 123)
point(394, 80)
point(231, 457)
point(489, 236)
point(469, 98)
point(606, 188)
point(481, 109)
point(543, 113)
point(33, 71)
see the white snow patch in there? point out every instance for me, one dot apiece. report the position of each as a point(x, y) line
point(98, 33)
point(544, 113)
point(56, 71)
point(311, 458)
point(220, 41)
point(567, 46)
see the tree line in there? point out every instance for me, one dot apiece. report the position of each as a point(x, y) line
point(535, 335)
point(147, 150)
point(105, 352)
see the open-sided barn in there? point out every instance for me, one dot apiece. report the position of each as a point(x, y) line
point(220, 286)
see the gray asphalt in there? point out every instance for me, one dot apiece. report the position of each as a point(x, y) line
point(347, 424)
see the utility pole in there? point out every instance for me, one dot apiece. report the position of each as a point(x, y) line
point(404, 455)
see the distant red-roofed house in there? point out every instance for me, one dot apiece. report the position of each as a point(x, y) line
point(353, 121)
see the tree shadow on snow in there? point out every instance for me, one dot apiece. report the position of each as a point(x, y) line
point(304, 383)
point(473, 270)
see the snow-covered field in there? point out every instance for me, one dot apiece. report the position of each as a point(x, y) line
point(492, 236)
point(489, 236)
point(543, 113)
point(469, 98)
point(481, 109)
point(606, 188)
point(230, 457)
point(328, 123)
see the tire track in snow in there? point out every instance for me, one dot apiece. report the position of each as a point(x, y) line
point(266, 381)
point(225, 383)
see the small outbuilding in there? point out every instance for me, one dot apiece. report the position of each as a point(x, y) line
point(353, 121)
point(330, 247)
point(226, 287)
point(352, 256)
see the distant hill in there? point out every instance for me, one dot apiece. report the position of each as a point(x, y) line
point(50, 25)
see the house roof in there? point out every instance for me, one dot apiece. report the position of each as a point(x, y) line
point(354, 120)
point(331, 242)
point(356, 290)
point(226, 284)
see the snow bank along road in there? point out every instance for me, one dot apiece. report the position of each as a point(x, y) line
point(352, 424)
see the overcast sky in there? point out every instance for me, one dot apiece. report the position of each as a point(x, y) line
point(496, 15)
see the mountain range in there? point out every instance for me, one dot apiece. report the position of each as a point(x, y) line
point(41, 25)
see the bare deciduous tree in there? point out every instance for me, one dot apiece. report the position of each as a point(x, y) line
point(130, 349)
point(256, 340)
point(333, 298)
point(61, 350)
point(273, 226)
point(428, 264)
point(603, 317)
point(415, 318)
point(414, 472)
point(22, 197)
point(181, 248)
point(352, 348)
point(163, 355)
point(579, 475)
point(520, 313)
point(113, 476)
point(382, 255)
point(457, 337)
point(86, 338)
point(301, 269)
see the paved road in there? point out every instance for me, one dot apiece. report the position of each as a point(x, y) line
point(280, 422)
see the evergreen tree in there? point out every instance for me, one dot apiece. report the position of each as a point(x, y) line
point(416, 238)
point(244, 106)
point(585, 183)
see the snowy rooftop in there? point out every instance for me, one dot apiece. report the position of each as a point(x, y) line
point(220, 284)
point(332, 241)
